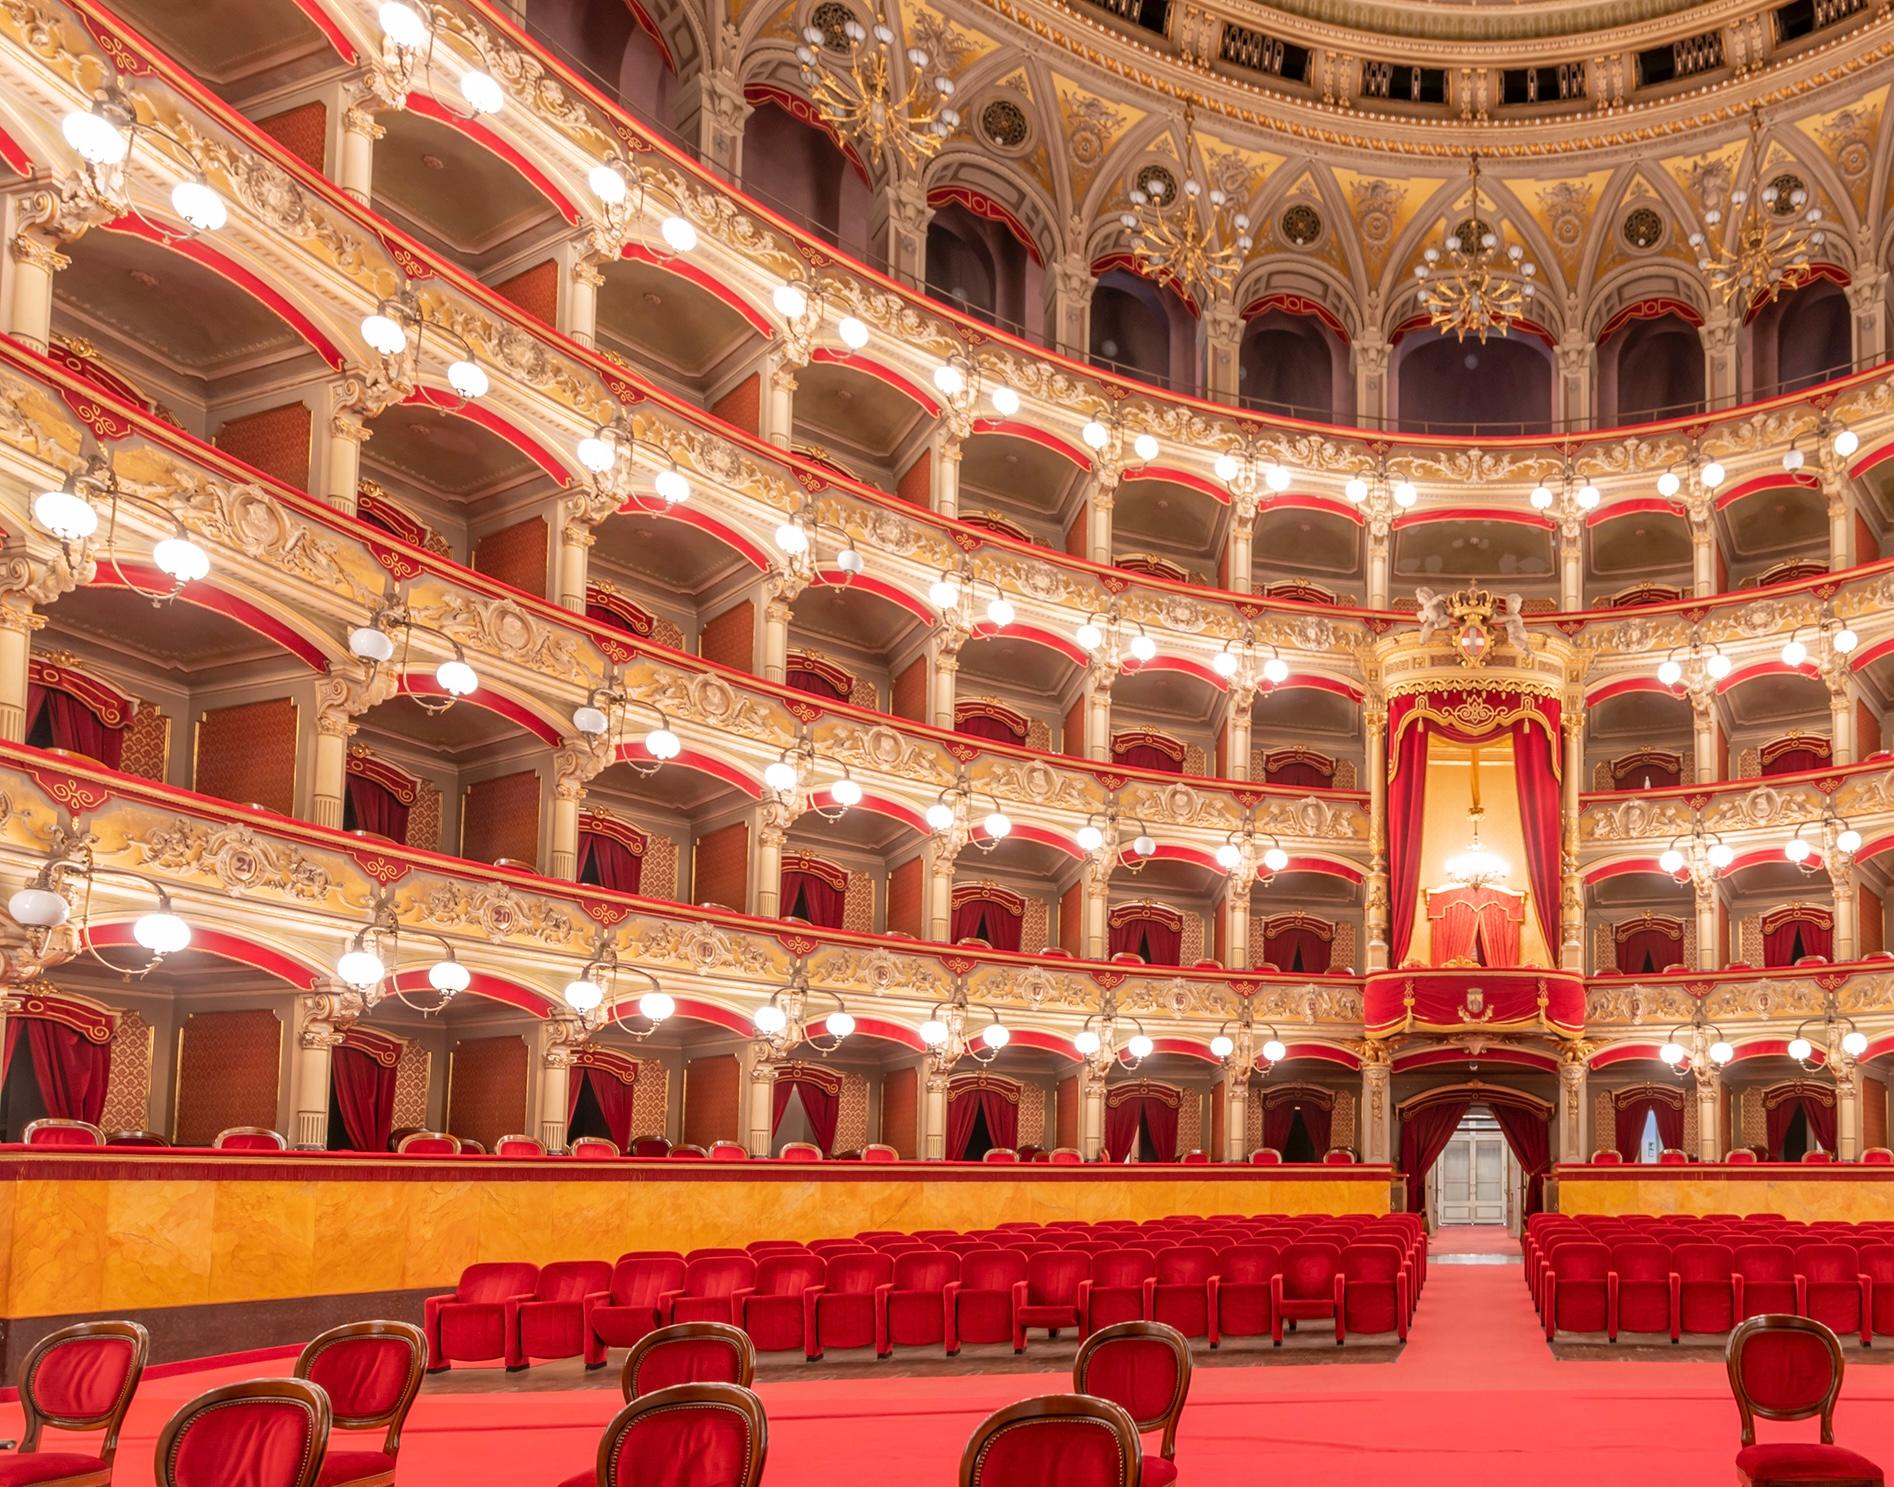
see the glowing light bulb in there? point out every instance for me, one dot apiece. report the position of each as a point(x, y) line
point(1721, 1053)
point(1088, 636)
point(583, 995)
point(1278, 478)
point(1668, 484)
point(780, 776)
point(1721, 855)
point(1226, 468)
point(1672, 1054)
point(1671, 861)
point(940, 816)
point(468, 378)
point(384, 335)
point(1405, 493)
point(66, 514)
point(1145, 447)
point(1228, 856)
point(608, 184)
point(1847, 441)
point(598, 454)
point(369, 644)
point(680, 237)
point(1711, 475)
point(1844, 641)
point(1670, 672)
point(1089, 838)
point(1800, 1049)
point(1356, 490)
point(1086, 1042)
point(996, 1035)
point(1275, 859)
point(791, 538)
point(449, 977)
point(1005, 401)
point(1796, 850)
point(1095, 435)
point(94, 138)
point(1587, 497)
point(360, 967)
point(1275, 1051)
point(1848, 840)
point(791, 301)
point(845, 792)
point(1541, 497)
point(672, 488)
point(657, 1005)
point(457, 678)
point(1139, 1046)
point(39, 908)
point(840, 1024)
point(662, 744)
point(1143, 647)
point(997, 825)
point(1225, 664)
point(1718, 666)
point(1793, 460)
point(943, 593)
point(402, 26)
point(1001, 613)
point(1794, 653)
point(933, 1032)
point(853, 331)
point(949, 379)
point(590, 720)
point(770, 1019)
point(1144, 845)
point(198, 205)
point(1275, 671)
point(1854, 1043)
point(850, 561)
point(1223, 1045)
point(483, 94)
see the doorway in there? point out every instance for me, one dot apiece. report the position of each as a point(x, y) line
point(1475, 1178)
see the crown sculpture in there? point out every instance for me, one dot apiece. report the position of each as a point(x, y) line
point(1474, 621)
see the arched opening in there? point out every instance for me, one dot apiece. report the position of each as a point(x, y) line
point(665, 577)
point(848, 643)
point(978, 265)
point(1005, 894)
point(1035, 683)
point(796, 167)
point(608, 45)
point(1143, 330)
point(1774, 533)
point(1308, 552)
point(1307, 738)
point(1024, 487)
point(1294, 365)
point(680, 832)
point(1640, 557)
point(1169, 529)
point(1778, 724)
point(667, 323)
point(1640, 924)
point(1446, 386)
point(1641, 741)
point(1509, 556)
point(1305, 924)
point(1651, 369)
point(1803, 338)
point(1165, 720)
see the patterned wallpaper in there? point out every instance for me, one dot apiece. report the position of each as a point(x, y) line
point(1192, 950)
point(424, 818)
point(1195, 760)
point(1035, 931)
point(302, 131)
point(711, 1100)
point(1032, 1115)
point(411, 1084)
point(858, 909)
point(500, 818)
point(742, 405)
point(128, 1090)
point(1341, 1127)
point(515, 555)
point(147, 748)
point(536, 291)
point(1751, 1123)
point(1190, 1123)
point(851, 1121)
point(650, 1108)
point(721, 867)
point(486, 1089)
point(247, 754)
point(228, 1068)
point(1252, 1124)
point(900, 1125)
point(275, 441)
point(658, 877)
point(1039, 735)
point(729, 638)
point(1604, 1121)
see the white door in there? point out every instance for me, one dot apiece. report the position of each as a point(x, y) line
point(1470, 1177)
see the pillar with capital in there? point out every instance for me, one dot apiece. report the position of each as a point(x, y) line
point(557, 1036)
point(1370, 354)
point(779, 400)
point(578, 306)
point(322, 1019)
point(1091, 1110)
point(938, 857)
point(1574, 1105)
point(1069, 305)
point(1374, 717)
point(1240, 561)
point(1703, 723)
point(1222, 332)
point(1576, 353)
point(773, 819)
point(1377, 1104)
point(1708, 1085)
point(575, 764)
point(355, 170)
point(1867, 307)
point(40, 222)
point(1571, 885)
point(1095, 937)
point(780, 591)
point(904, 218)
point(1236, 917)
point(1380, 559)
point(1099, 679)
point(1571, 563)
point(1238, 705)
point(343, 694)
point(1100, 496)
point(1839, 678)
point(934, 1112)
point(943, 671)
point(756, 1117)
point(1719, 334)
point(18, 621)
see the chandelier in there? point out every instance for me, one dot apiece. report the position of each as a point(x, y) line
point(1468, 286)
point(1758, 254)
point(1477, 866)
point(857, 93)
point(1193, 239)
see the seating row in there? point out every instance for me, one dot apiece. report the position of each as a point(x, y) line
point(1671, 1156)
point(1207, 1278)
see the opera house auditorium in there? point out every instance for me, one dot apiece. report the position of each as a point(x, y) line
point(957, 743)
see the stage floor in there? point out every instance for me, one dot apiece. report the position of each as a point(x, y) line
point(1475, 1400)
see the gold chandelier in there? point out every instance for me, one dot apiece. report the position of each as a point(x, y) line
point(1191, 238)
point(1468, 286)
point(1756, 259)
point(856, 94)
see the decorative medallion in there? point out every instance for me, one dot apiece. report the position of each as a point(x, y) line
point(1472, 232)
point(1003, 122)
point(1643, 228)
point(1786, 186)
point(1157, 183)
point(831, 18)
point(1300, 225)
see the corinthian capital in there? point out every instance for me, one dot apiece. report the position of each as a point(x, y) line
point(347, 691)
point(576, 763)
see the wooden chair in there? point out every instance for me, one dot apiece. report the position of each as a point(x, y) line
point(690, 1435)
point(282, 1442)
point(60, 1386)
point(519, 1146)
point(350, 1363)
point(429, 1144)
point(688, 1353)
point(1789, 1368)
point(1036, 1440)
point(249, 1138)
point(51, 1131)
point(1144, 1367)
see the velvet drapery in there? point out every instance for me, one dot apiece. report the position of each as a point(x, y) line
point(1298, 950)
point(1158, 1116)
point(1777, 1119)
point(1145, 756)
point(1650, 949)
point(1529, 1135)
point(1301, 774)
point(609, 862)
point(1794, 761)
point(1407, 798)
point(984, 725)
point(71, 1069)
point(364, 1096)
point(1629, 1130)
point(1278, 1122)
point(1424, 1136)
point(1791, 939)
point(823, 1107)
point(1159, 943)
point(814, 683)
point(374, 809)
point(966, 1105)
point(986, 919)
point(613, 1097)
point(73, 725)
point(813, 898)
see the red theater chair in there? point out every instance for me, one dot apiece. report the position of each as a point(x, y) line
point(428, 1144)
point(1769, 1281)
point(1606, 1159)
point(1265, 1156)
point(876, 1151)
point(470, 1325)
point(260, 1433)
point(153, 1139)
point(775, 1311)
point(1052, 1294)
point(1877, 1263)
point(1708, 1290)
point(690, 1435)
point(687, 1153)
point(1877, 1156)
point(371, 1372)
point(1241, 1296)
point(729, 1151)
point(711, 1279)
point(1071, 1440)
point(1788, 1368)
point(1643, 1296)
point(649, 1146)
point(1121, 1289)
point(1377, 1297)
point(78, 1378)
point(982, 1308)
point(1575, 1295)
point(49, 1131)
point(1144, 1368)
point(850, 1311)
point(1308, 1287)
point(551, 1323)
point(1000, 1154)
point(1741, 1156)
point(800, 1151)
point(918, 1308)
point(518, 1146)
point(1817, 1158)
point(631, 1305)
point(594, 1149)
point(690, 1353)
point(1835, 1290)
point(248, 1138)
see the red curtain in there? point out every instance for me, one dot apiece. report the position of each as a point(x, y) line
point(375, 810)
point(73, 725)
point(822, 1108)
point(1501, 916)
point(613, 1097)
point(1424, 1136)
point(1318, 1120)
point(71, 1069)
point(1793, 761)
point(1147, 756)
point(1298, 950)
point(610, 861)
point(1407, 794)
point(1158, 943)
point(1541, 819)
point(1121, 1127)
point(1630, 1126)
point(984, 725)
point(1779, 1117)
point(1646, 950)
point(1002, 1119)
point(1278, 1122)
point(815, 899)
point(984, 919)
point(1642, 776)
point(1300, 773)
point(1455, 918)
point(814, 683)
point(1529, 1134)
point(1790, 940)
point(365, 1097)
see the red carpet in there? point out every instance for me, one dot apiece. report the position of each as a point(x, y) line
point(1475, 1401)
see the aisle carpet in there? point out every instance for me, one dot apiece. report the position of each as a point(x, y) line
point(1476, 1400)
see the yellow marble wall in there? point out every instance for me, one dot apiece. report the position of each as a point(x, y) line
point(1855, 1194)
point(123, 1243)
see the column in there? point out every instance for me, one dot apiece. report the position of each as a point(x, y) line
point(355, 172)
point(1848, 1113)
point(946, 482)
point(1710, 953)
point(1370, 356)
point(1236, 1102)
point(722, 112)
point(903, 229)
point(1703, 750)
point(348, 431)
point(1572, 888)
point(328, 783)
point(1841, 715)
point(943, 672)
point(1374, 718)
point(1846, 904)
point(1839, 490)
point(1571, 565)
point(756, 1099)
point(934, 1114)
point(1574, 1109)
point(1238, 703)
point(1099, 496)
point(1098, 683)
point(772, 638)
point(937, 889)
point(1222, 333)
point(1709, 1110)
point(555, 1081)
point(1236, 918)
point(1096, 938)
point(578, 306)
point(1069, 305)
point(767, 867)
point(1867, 302)
point(1380, 551)
point(1575, 380)
point(1377, 1109)
point(1239, 576)
point(575, 537)
point(1091, 1111)
point(319, 1032)
point(779, 402)
point(17, 624)
point(575, 764)
point(1719, 335)
point(30, 304)
point(1702, 559)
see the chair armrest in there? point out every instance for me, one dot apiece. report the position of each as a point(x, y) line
point(949, 1321)
point(1676, 1304)
point(1736, 1297)
point(1611, 1305)
point(1801, 1296)
point(1149, 1298)
point(1085, 1307)
point(1549, 1302)
point(1211, 1292)
point(1019, 1294)
point(739, 1299)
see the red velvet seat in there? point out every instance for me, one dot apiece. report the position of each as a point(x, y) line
point(690, 1435)
point(1121, 1287)
point(1265, 1156)
point(850, 1310)
point(800, 1151)
point(982, 1309)
point(428, 1144)
point(260, 1433)
point(80, 1378)
point(631, 1305)
point(248, 1138)
point(729, 1151)
point(775, 1310)
point(1642, 1296)
point(710, 1281)
point(471, 1324)
point(1052, 1293)
point(687, 1153)
point(594, 1149)
point(52, 1131)
point(1308, 1287)
point(688, 1353)
point(1769, 1280)
point(1741, 1156)
point(518, 1146)
point(1789, 1368)
point(1835, 1290)
point(1244, 1285)
point(551, 1324)
point(1058, 1440)
point(371, 1372)
point(918, 1310)
point(649, 1146)
point(1377, 1297)
point(1575, 1295)
point(1877, 1263)
point(1144, 1368)
point(1708, 1289)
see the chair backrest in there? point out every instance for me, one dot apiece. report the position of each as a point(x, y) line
point(1065, 1156)
point(639, 1280)
point(1000, 1154)
point(249, 1138)
point(1785, 1368)
point(49, 1131)
point(1265, 1156)
point(1766, 1262)
point(1818, 1158)
point(649, 1146)
point(925, 1270)
point(687, 1153)
point(1877, 1263)
point(1673, 1156)
point(518, 1146)
point(1606, 1159)
point(1741, 1156)
point(82, 1378)
point(1142, 1367)
point(1877, 1156)
point(429, 1144)
point(688, 1353)
point(1197, 1158)
point(371, 1372)
point(729, 1151)
point(991, 1270)
point(800, 1151)
point(1703, 1260)
point(789, 1275)
point(858, 1272)
point(594, 1148)
point(1581, 1259)
point(1186, 1265)
point(1640, 1259)
point(261, 1432)
point(1053, 1276)
point(1122, 1267)
point(1372, 1260)
point(1309, 1268)
point(152, 1138)
point(1074, 1439)
point(718, 1275)
point(571, 1280)
point(878, 1151)
point(495, 1280)
point(1249, 1264)
point(1341, 1156)
point(1827, 1263)
point(689, 1435)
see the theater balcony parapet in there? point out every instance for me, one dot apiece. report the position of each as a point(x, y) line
point(1747, 813)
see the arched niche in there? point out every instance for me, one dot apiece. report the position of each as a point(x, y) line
point(1650, 368)
point(1143, 329)
point(794, 165)
point(1802, 338)
point(1293, 362)
point(977, 262)
point(1446, 386)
